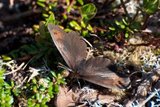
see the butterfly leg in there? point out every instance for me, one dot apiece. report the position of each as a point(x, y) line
point(89, 53)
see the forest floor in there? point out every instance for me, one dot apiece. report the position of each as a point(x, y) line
point(138, 57)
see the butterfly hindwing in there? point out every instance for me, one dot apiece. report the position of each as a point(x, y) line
point(96, 70)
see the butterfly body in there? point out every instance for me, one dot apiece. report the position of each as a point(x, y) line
point(74, 51)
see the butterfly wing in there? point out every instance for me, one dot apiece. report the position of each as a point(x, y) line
point(70, 45)
point(96, 70)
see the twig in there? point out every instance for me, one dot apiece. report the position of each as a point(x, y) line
point(146, 17)
point(117, 6)
point(34, 72)
point(20, 15)
point(135, 16)
point(8, 64)
point(13, 71)
point(124, 7)
point(22, 82)
point(11, 3)
point(151, 96)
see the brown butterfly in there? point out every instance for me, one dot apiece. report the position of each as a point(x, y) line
point(74, 51)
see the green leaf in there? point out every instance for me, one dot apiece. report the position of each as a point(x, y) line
point(67, 2)
point(80, 2)
point(117, 23)
point(88, 11)
point(112, 28)
point(56, 88)
point(41, 4)
point(129, 30)
point(45, 15)
point(150, 6)
point(50, 19)
point(122, 26)
point(69, 8)
point(89, 27)
point(124, 21)
point(53, 74)
point(6, 58)
point(126, 35)
point(75, 25)
point(83, 24)
point(85, 32)
point(42, 30)
point(65, 16)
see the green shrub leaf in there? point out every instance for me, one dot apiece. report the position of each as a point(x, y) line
point(88, 11)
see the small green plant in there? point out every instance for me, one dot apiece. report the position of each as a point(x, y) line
point(150, 6)
point(42, 90)
point(127, 25)
point(121, 27)
point(37, 92)
point(87, 12)
point(41, 49)
point(6, 98)
point(80, 24)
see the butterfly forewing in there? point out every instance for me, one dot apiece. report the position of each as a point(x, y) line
point(70, 45)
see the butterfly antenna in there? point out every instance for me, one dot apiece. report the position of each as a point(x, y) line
point(90, 50)
point(87, 42)
point(96, 36)
point(64, 67)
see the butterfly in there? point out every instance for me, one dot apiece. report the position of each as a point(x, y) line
point(95, 69)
